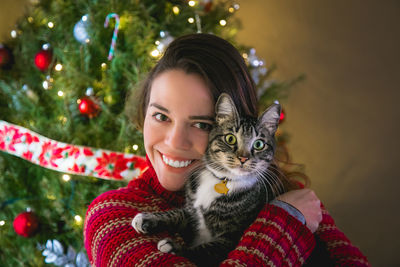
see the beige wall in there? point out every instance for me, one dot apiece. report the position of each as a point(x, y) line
point(343, 119)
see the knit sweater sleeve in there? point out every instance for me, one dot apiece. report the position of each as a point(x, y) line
point(340, 248)
point(274, 239)
point(109, 238)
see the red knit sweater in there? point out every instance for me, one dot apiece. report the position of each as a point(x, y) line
point(274, 239)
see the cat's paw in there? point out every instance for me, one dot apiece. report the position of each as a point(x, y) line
point(142, 223)
point(137, 223)
point(167, 246)
point(146, 223)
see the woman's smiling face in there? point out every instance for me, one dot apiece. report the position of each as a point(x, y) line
point(179, 116)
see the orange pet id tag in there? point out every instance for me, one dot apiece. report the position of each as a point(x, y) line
point(221, 187)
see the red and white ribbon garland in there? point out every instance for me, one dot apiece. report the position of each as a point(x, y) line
point(68, 158)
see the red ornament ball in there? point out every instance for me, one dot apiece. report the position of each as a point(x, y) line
point(282, 117)
point(6, 57)
point(43, 59)
point(26, 224)
point(88, 107)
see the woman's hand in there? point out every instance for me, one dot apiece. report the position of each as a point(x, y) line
point(307, 202)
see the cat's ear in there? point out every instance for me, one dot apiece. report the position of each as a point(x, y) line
point(225, 109)
point(270, 118)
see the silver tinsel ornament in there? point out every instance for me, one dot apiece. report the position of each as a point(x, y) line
point(80, 30)
point(166, 39)
point(54, 253)
point(256, 64)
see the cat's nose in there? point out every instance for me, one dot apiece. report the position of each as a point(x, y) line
point(243, 159)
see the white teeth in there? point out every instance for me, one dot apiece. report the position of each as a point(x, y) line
point(176, 163)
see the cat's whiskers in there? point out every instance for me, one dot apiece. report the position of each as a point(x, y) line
point(276, 169)
point(279, 187)
point(275, 184)
point(281, 184)
point(265, 181)
point(262, 181)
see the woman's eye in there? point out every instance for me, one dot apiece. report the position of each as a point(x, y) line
point(258, 145)
point(203, 126)
point(230, 139)
point(160, 117)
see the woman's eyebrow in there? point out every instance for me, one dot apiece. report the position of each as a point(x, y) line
point(206, 118)
point(159, 107)
point(195, 117)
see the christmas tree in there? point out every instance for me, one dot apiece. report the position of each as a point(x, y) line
point(65, 135)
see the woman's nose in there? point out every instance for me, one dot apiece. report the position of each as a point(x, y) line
point(178, 137)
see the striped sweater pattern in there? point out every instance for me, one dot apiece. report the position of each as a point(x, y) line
point(274, 239)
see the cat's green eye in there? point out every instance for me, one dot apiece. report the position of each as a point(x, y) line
point(230, 139)
point(258, 144)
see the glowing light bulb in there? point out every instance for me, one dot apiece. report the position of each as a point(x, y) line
point(60, 93)
point(89, 91)
point(66, 177)
point(2, 223)
point(50, 25)
point(192, 3)
point(155, 53)
point(222, 22)
point(46, 85)
point(78, 219)
point(14, 34)
point(135, 147)
point(175, 10)
point(103, 66)
point(58, 67)
point(191, 20)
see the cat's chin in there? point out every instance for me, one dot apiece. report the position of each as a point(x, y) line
point(241, 182)
point(241, 172)
point(233, 174)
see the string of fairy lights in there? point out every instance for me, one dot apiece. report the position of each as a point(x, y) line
point(82, 36)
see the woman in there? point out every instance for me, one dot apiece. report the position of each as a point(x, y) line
point(175, 112)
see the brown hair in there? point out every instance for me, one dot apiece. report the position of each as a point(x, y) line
point(224, 71)
point(215, 60)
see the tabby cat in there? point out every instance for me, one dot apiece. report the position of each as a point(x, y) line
point(225, 194)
